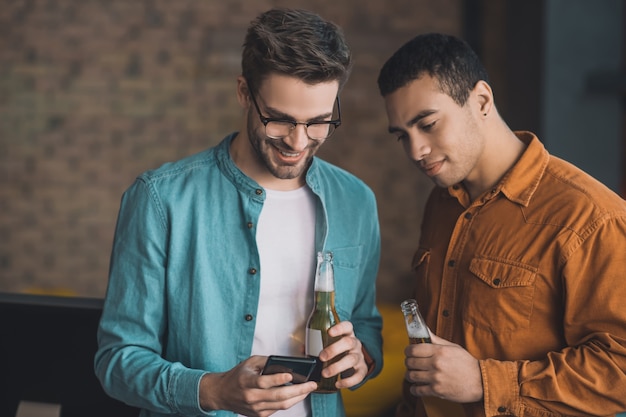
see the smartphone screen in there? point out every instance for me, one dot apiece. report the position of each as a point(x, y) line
point(300, 368)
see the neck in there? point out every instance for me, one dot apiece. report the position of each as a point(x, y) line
point(501, 152)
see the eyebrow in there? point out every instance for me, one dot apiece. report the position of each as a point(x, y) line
point(276, 114)
point(413, 121)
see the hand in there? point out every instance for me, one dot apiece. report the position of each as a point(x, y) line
point(244, 390)
point(444, 370)
point(351, 363)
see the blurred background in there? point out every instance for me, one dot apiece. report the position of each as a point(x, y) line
point(94, 92)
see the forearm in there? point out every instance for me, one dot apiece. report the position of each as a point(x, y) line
point(579, 381)
point(142, 379)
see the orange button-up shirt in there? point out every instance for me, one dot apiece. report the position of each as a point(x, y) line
point(531, 279)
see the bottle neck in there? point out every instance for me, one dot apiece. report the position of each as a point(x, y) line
point(324, 300)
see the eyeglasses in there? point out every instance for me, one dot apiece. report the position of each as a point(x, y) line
point(280, 128)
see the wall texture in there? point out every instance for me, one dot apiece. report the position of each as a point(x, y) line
point(93, 92)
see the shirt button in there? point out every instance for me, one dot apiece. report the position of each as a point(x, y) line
point(252, 271)
point(494, 191)
point(249, 317)
point(455, 187)
point(496, 281)
point(451, 263)
point(258, 191)
point(250, 225)
point(446, 313)
point(468, 216)
point(501, 409)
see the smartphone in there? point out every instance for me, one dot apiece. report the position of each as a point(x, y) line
point(301, 369)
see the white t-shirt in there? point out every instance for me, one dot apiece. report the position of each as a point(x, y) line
point(286, 241)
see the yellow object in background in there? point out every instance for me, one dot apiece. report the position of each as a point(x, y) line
point(379, 396)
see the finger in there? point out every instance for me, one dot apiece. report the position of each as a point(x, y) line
point(337, 365)
point(281, 398)
point(419, 390)
point(341, 328)
point(339, 347)
point(417, 376)
point(419, 350)
point(351, 377)
point(347, 366)
point(255, 362)
point(268, 408)
point(287, 393)
point(273, 380)
point(418, 363)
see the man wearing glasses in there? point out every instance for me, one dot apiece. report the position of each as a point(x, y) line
point(214, 256)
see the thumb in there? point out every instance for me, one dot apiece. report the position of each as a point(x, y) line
point(439, 340)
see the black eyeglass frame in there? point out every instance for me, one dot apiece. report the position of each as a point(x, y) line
point(265, 120)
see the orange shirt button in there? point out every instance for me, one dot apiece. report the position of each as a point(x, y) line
point(446, 313)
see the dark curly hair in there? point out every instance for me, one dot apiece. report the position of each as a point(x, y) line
point(450, 60)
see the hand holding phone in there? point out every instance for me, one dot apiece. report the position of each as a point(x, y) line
point(302, 369)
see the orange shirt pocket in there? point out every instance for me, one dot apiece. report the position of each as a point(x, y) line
point(498, 294)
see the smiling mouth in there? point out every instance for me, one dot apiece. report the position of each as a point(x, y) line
point(432, 169)
point(287, 156)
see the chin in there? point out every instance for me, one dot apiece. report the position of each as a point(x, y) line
point(443, 183)
point(282, 174)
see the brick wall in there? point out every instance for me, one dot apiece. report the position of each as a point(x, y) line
point(93, 92)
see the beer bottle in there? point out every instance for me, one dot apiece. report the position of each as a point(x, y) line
point(323, 316)
point(418, 333)
point(415, 325)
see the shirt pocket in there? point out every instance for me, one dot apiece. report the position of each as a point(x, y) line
point(347, 267)
point(499, 294)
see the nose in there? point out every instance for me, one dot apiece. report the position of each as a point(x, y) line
point(297, 140)
point(416, 147)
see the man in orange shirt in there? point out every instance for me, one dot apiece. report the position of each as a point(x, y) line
point(521, 266)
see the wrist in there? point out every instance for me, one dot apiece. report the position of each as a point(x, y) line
point(208, 393)
point(369, 362)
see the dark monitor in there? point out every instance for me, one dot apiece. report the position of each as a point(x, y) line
point(47, 347)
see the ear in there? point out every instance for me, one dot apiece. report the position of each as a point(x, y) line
point(243, 93)
point(482, 98)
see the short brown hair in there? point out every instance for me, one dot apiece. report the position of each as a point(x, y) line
point(298, 43)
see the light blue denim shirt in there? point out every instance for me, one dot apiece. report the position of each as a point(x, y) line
point(184, 278)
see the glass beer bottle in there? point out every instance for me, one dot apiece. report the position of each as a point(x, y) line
point(415, 325)
point(418, 333)
point(323, 316)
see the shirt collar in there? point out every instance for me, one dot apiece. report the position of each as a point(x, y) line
point(521, 182)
